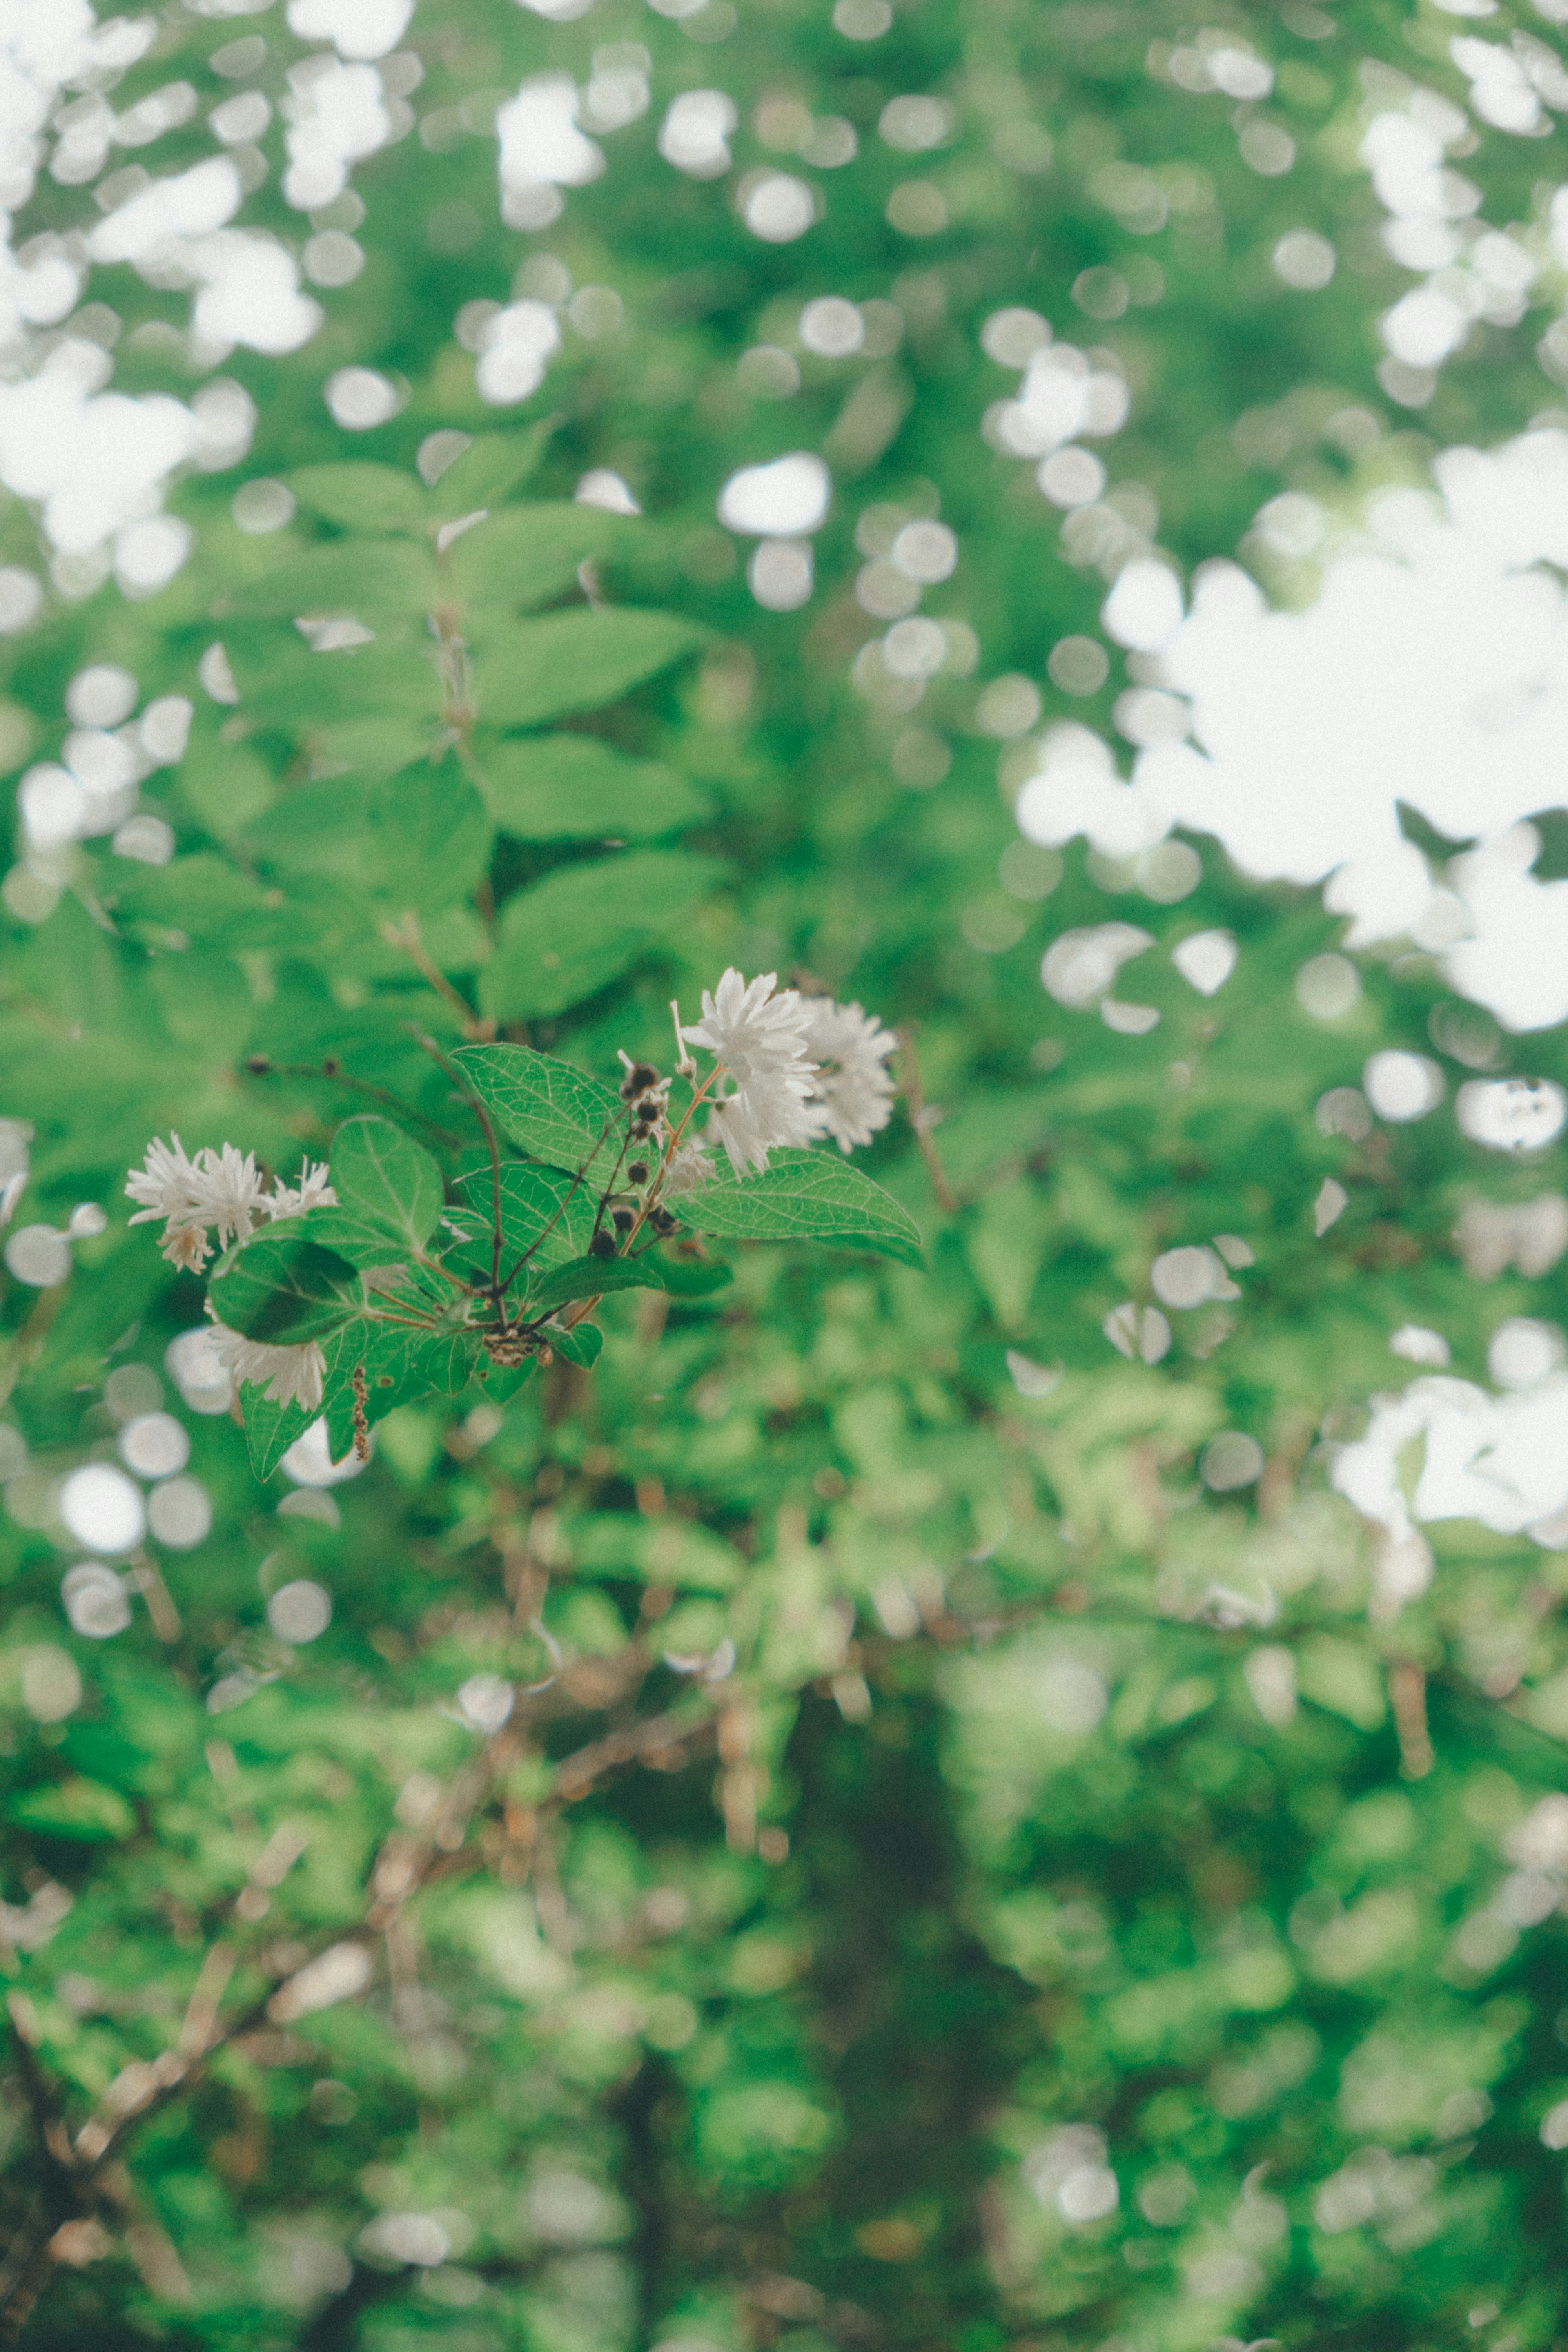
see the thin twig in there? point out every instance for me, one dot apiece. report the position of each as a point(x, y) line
point(1408, 1696)
point(259, 1067)
point(405, 935)
point(922, 1119)
point(545, 1231)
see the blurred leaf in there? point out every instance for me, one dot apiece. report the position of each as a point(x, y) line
point(74, 1809)
point(342, 576)
point(564, 938)
point(362, 497)
point(526, 555)
point(427, 837)
point(577, 788)
point(491, 467)
point(574, 661)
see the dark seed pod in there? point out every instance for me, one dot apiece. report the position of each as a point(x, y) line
point(603, 1246)
point(637, 1081)
point(638, 1172)
point(624, 1221)
point(661, 1221)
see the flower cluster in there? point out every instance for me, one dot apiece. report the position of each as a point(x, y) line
point(219, 1191)
point(763, 1082)
point(852, 1089)
point(789, 1070)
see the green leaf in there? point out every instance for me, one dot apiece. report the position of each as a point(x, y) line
point(74, 1809)
point(694, 1277)
point(591, 1277)
point(541, 1211)
point(269, 1429)
point(489, 470)
point(804, 1196)
point(664, 1550)
point(205, 896)
point(557, 1113)
point(316, 834)
point(574, 661)
point(427, 837)
point(341, 577)
point(580, 1346)
point(225, 785)
point(399, 1366)
point(282, 1285)
point(380, 745)
point(578, 787)
point(389, 1194)
point(311, 694)
point(581, 927)
point(528, 554)
point(362, 497)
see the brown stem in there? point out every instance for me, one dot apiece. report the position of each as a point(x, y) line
point(922, 1119)
point(405, 935)
point(1408, 1696)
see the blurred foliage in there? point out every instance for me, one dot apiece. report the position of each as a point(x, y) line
point(1073, 1922)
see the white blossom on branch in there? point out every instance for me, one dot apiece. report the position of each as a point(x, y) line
point(756, 1036)
point(852, 1090)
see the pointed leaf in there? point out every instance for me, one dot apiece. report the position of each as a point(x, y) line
point(489, 470)
point(389, 1194)
point(363, 497)
point(399, 1366)
point(804, 1196)
point(574, 661)
point(558, 1114)
point(526, 555)
point(578, 787)
point(344, 577)
point(580, 1346)
point(591, 1277)
point(269, 1429)
point(428, 837)
point(580, 927)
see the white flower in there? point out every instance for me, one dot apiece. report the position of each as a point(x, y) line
point(761, 1119)
point(216, 1188)
point(758, 1039)
point(853, 1091)
point(229, 1193)
point(293, 1375)
point(312, 1191)
point(165, 1182)
point(186, 1245)
point(689, 1168)
point(750, 1031)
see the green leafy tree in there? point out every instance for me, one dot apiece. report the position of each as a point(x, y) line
point(581, 1775)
